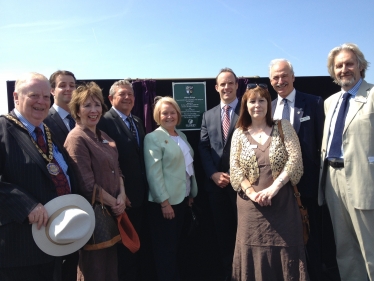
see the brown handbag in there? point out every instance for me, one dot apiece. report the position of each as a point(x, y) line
point(106, 232)
point(303, 209)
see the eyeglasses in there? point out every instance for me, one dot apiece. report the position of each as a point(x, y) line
point(254, 85)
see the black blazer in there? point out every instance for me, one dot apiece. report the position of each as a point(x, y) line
point(131, 157)
point(310, 137)
point(24, 182)
point(214, 156)
point(56, 125)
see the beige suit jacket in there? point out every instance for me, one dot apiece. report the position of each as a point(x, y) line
point(358, 147)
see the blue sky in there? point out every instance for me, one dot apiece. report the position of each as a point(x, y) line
point(176, 39)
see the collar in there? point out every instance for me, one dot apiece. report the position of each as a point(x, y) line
point(62, 112)
point(233, 104)
point(290, 98)
point(30, 127)
point(123, 116)
point(354, 89)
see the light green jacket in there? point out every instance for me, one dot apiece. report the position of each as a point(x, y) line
point(165, 167)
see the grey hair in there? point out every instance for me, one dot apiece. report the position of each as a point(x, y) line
point(20, 83)
point(361, 61)
point(119, 83)
point(276, 61)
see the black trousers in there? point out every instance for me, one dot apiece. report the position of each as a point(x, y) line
point(225, 215)
point(128, 262)
point(39, 272)
point(166, 236)
point(313, 247)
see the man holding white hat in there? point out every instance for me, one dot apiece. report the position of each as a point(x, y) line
point(33, 171)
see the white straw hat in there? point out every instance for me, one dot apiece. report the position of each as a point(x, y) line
point(71, 222)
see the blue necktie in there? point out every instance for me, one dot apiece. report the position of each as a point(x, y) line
point(132, 129)
point(336, 142)
point(286, 110)
point(71, 121)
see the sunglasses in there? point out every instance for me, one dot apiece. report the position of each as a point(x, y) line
point(254, 85)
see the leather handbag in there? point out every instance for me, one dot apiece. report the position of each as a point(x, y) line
point(303, 209)
point(106, 232)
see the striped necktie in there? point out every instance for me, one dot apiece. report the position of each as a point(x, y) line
point(226, 123)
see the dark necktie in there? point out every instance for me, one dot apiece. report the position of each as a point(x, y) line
point(226, 123)
point(60, 180)
point(71, 121)
point(336, 142)
point(132, 128)
point(286, 110)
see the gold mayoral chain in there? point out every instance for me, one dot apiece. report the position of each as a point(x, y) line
point(52, 168)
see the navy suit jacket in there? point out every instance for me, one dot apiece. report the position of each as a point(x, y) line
point(24, 182)
point(215, 156)
point(131, 156)
point(56, 125)
point(310, 136)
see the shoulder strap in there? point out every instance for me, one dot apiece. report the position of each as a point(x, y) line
point(280, 130)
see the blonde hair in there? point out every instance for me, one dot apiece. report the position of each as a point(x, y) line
point(157, 109)
point(361, 61)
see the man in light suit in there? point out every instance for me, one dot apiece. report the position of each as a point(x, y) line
point(214, 147)
point(26, 182)
point(305, 112)
point(60, 122)
point(347, 163)
point(129, 139)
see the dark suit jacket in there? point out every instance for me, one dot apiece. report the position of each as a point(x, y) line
point(56, 125)
point(24, 182)
point(310, 137)
point(214, 156)
point(131, 157)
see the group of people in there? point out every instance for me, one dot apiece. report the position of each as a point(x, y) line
point(253, 152)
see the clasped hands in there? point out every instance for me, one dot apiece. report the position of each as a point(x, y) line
point(263, 197)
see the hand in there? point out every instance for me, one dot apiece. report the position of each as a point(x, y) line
point(38, 215)
point(221, 179)
point(190, 201)
point(120, 204)
point(251, 195)
point(128, 203)
point(167, 210)
point(264, 196)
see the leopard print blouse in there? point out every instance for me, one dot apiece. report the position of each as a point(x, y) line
point(283, 156)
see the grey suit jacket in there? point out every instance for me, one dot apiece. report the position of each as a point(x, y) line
point(56, 125)
point(215, 156)
point(358, 147)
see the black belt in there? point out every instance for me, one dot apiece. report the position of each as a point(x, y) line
point(336, 163)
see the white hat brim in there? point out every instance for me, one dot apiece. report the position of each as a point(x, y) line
point(40, 237)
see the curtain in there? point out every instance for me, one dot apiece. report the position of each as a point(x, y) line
point(242, 86)
point(145, 92)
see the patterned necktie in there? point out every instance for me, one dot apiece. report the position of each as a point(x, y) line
point(286, 110)
point(132, 128)
point(71, 121)
point(226, 123)
point(60, 180)
point(336, 142)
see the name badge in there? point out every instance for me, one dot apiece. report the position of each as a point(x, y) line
point(306, 118)
point(253, 146)
point(361, 99)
